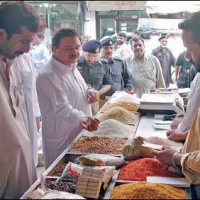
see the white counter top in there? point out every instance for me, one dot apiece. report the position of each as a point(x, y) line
point(146, 129)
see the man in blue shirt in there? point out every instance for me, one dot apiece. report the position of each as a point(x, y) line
point(182, 71)
point(122, 79)
point(95, 73)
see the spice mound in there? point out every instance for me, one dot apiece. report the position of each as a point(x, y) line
point(143, 190)
point(99, 145)
point(165, 142)
point(61, 186)
point(58, 170)
point(119, 114)
point(138, 170)
point(111, 128)
point(123, 104)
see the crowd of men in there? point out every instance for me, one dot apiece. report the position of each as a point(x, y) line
point(69, 84)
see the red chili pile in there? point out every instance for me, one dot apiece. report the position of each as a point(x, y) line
point(138, 170)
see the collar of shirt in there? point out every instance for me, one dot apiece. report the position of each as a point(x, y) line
point(81, 60)
point(38, 45)
point(163, 49)
point(111, 61)
point(62, 67)
point(137, 60)
point(6, 66)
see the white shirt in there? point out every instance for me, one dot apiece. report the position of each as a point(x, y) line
point(17, 171)
point(23, 66)
point(146, 73)
point(39, 54)
point(193, 102)
point(123, 51)
point(62, 95)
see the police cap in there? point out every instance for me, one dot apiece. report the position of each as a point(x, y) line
point(92, 46)
point(107, 41)
point(162, 37)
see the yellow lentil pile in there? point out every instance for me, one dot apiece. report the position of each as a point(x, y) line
point(123, 104)
point(119, 114)
point(143, 190)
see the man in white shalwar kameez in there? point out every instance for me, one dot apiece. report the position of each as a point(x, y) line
point(23, 67)
point(17, 170)
point(15, 146)
point(63, 96)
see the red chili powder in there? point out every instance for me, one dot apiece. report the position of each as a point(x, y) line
point(138, 170)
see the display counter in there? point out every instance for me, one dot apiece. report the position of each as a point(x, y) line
point(146, 129)
point(142, 126)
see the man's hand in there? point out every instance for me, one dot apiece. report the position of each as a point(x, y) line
point(92, 95)
point(90, 123)
point(178, 119)
point(165, 154)
point(38, 122)
point(176, 135)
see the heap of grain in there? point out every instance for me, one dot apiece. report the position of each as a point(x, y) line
point(123, 104)
point(98, 145)
point(138, 170)
point(143, 190)
point(165, 142)
point(67, 186)
point(111, 128)
point(119, 114)
point(124, 96)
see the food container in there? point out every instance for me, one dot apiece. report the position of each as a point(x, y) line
point(103, 145)
point(144, 190)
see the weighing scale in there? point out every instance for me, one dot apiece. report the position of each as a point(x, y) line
point(161, 103)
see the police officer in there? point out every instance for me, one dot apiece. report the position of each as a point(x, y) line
point(95, 73)
point(122, 79)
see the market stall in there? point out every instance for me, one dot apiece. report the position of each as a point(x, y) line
point(94, 165)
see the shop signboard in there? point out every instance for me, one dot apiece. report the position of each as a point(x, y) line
point(115, 5)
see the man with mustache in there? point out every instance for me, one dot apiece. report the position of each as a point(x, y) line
point(166, 58)
point(145, 69)
point(17, 169)
point(122, 49)
point(95, 73)
point(63, 96)
point(189, 158)
point(122, 79)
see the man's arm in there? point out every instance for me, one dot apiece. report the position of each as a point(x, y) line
point(160, 83)
point(188, 162)
point(176, 73)
point(107, 82)
point(103, 90)
point(127, 78)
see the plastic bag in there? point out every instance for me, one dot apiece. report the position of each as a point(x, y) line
point(100, 160)
point(77, 170)
point(51, 194)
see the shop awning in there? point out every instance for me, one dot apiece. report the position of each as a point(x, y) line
point(165, 7)
point(115, 5)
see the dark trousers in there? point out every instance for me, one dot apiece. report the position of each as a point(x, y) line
point(195, 189)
